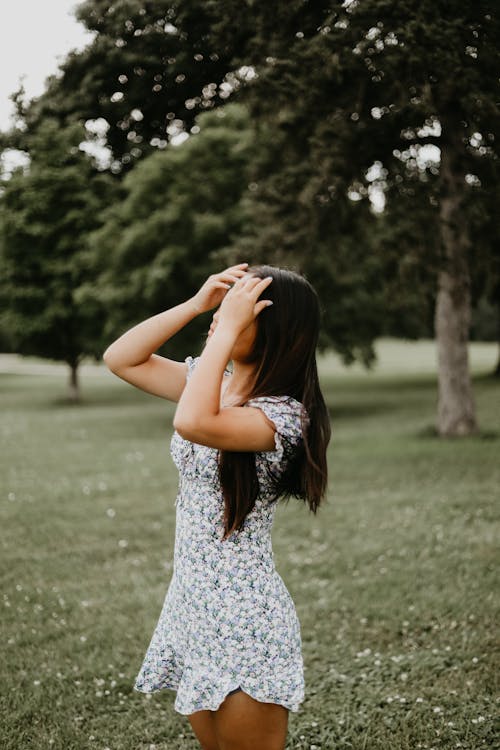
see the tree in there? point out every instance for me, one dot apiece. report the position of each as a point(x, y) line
point(178, 211)
point(152, 67)
point(355, 86)
point(46, 213)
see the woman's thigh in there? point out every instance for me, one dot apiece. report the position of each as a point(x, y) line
point(202, 724)
point(243, 723)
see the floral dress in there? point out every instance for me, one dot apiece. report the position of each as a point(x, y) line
point(228, 620)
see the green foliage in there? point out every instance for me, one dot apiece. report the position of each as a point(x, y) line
point(343, 98)
point(46, 214)
point(353, 93)
point(179, 210)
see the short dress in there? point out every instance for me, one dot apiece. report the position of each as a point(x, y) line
point(228, 621)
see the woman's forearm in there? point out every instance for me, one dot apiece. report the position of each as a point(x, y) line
point(200, 400)
point(136, 345)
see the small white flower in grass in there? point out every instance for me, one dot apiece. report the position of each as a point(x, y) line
point(36, 682)
point(389, 699)
point(102, 486)
point(86, 489)
point(98, 693)
point(83, 638)
point(475, 660)
point(314, 723)
point(450, 723)
point(437, 709)
point(377, 662)
point(111, 513)
point(123, 543)
point(11, 496)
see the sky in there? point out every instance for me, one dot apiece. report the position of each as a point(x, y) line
point(35, 36)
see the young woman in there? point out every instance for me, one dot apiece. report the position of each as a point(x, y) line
point(228, 637)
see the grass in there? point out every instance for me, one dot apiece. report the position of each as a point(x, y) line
point(393, 580)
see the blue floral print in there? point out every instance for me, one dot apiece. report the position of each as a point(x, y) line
point(228, 619)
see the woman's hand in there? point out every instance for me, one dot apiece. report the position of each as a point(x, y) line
point(215, 288)
point(239, 307)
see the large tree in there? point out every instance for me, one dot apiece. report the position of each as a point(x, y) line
point(47, 211)
point(357, 92)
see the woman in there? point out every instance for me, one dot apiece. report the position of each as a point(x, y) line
point(228, 637)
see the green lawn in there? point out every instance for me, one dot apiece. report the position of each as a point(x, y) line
point(393, 579)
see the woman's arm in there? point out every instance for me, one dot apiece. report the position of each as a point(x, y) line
point(198, 416)
point(132, 357)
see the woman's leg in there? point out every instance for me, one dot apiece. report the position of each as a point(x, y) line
point(243, 723)
point(202, 723)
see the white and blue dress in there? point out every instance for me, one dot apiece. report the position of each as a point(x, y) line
point(228, 620)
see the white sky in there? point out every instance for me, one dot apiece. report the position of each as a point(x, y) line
point(35, 36)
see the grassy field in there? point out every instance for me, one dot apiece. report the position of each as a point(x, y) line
point(393, 580)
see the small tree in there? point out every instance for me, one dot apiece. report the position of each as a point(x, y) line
point(46, 213)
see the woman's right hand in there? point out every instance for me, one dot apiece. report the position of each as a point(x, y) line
point(215, 288)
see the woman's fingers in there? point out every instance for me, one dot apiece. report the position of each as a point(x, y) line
point(261, 284)
point(262, 306)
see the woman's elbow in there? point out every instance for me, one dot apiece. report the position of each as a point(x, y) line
point(111, 362)
point(186, 428)
point(181, 425)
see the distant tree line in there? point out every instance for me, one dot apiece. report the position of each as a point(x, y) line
point(302, 117)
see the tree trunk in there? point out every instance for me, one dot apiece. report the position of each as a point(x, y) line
point(74, 386)
point(456, 408)
point(496, 371)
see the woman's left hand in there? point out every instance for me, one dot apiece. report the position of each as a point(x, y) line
point(239, 306)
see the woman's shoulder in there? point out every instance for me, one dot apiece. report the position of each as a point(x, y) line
point(288, 415)
point(280, 402)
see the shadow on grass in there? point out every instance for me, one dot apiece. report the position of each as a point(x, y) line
point(431, 432)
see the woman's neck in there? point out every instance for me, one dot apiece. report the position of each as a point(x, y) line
point(240, 382)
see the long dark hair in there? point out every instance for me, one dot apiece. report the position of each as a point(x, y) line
point(285, 356)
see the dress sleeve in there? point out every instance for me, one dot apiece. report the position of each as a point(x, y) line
point(287, 415)
point(191, 363)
